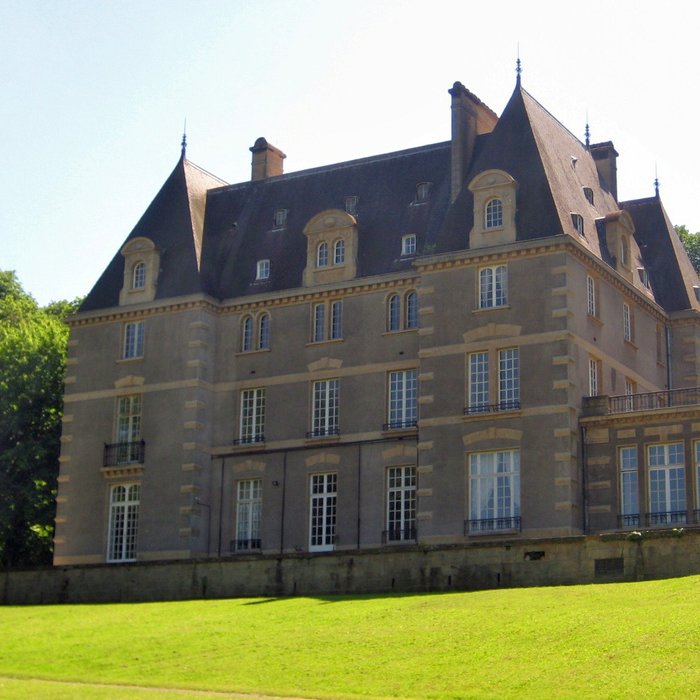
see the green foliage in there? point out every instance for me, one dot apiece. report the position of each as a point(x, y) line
point(33, 344)
point(691, 243)
point(631, 640)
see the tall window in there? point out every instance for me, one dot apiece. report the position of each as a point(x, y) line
point(339, 252)
point(327, 321)
point(509, 379)
point(412, 310)
point(264, 332)
point(478, 382)
point(591, 296)
point(325, 408)
point(123, 522)
point(629, 487)
point(129, 430)
point(493, 286)
point(627, 324)
point(133, 340)
point(593, 377)
point(577, 221)
point(394, 315)
point(401, 504)
point(625, 251)
point(408, 244)
point(248, 514)
point(494, 491)
point(252, 427)
point(247, 334)
point(666, 484)
point(262, 270)
point(336, 320)
point(322, 518)
point(319, 322)
point(493, 214)
point(403, 399)
point(138, 279)
point(395, 320)
point(322, 255)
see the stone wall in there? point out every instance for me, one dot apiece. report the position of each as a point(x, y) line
point(542, 562)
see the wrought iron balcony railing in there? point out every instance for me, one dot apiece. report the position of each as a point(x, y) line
point(668, 517)
point(407, 533)
point(400, 424)
point(249, 440)
point(491, 408)
point(654, 400)
point(628, 520)
point(323, 432)
point(120, 453)
point(491, 524)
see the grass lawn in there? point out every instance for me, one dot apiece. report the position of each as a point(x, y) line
point(626, 640)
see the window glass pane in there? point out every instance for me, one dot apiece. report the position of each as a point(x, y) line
point(412, 310)
point(478, 381)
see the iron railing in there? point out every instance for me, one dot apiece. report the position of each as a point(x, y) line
point(407, 533)
point(400, 424)
point(491, 408)
point(654, 400)
point(249, 440)
point(121, 453)
point(668, 517)
point(628, 520)
point(323, 432)
point(491, 524)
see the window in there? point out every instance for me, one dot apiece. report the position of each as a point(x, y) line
point(410, 315)
point(129, 448)
point(339, 252)
point(493, 214)
point(351, 204)
point(334, 314)
point(478, 382)
point(394, 317)
point(494, 491)
point(423, 191)
point(593, 377)
point(322, 255)
point(248, 514)
point(627, 324)
point(336, 320)
point(319, 332)
point(508, 379)
point(264, 332)
point(123, 522)
point(666, 484)
point(630, 391)
point(659, 344)
point(280, 218)
point(324, 494)
point(263, 270)
point(133, 340)
point(252, 427)
point(479, 394)
point(625, 251)
point(493, 287)
point(325, 408)
point(588, 194)
point(644, 277)
point(591, 296)
point(577, 221)
point(401, 504)
point(247, 334)
point(408, 244)
point(629, 487)
point(403, 399)
point(138, 277)
point(412, 310)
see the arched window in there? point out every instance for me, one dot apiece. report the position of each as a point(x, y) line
point(339, 252)
point(493, 287)
point(138, 276)
point(322, 255)
point(412, 310)
point(394, 316)
point(493, 215)
point(264, 332)
point(247, 334)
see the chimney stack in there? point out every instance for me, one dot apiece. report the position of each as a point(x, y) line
point(605, 157)
point(267, 160)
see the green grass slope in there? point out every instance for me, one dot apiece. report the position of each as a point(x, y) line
point(603, 641)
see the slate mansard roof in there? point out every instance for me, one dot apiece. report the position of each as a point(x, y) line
point(211, 234)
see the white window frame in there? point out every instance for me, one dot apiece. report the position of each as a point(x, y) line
point(626, 322)
point(493, 213)
point(122, 530)
point(138, 275)
point(327, 321)
point(577, 221)
point(134, 336)
point(594, 376)
point(591, 297)
point(628, 461)
point(478, 382)
point(128, 429)
point(319, 323)
point(252, 416)
point(248, 515)
point(494, 490)
point(280, 218)
point(493, 287)
point(335, 331)
point(325, 419)
point(408, 244)
point(323, 502)
point(264, 331)
point(262, 271)
point(667, 492)
point(423, 191)
point(247, 334)
point(401, 483)
point(411, 316)
point(509, 379)
point(339, 252)
point(351, 202)
point(322, 254)
point(402, 408)
point(394, 313)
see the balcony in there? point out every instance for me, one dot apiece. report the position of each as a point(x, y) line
point(671, 398)
point(627, 521)
point(323, 432)
point(407, 533)
point(122, 453)
point(487, 525)
point(669, 517)
point(479, 408)
point(400, 425)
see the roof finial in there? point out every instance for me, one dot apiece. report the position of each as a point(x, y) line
point(518, 68)
point(184, 139)
point(588, 133)
point(656, 181)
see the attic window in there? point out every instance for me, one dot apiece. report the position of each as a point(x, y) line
point(493, 215)
point(696, 289)
point(423, 191)
point(644, 277)
point(138, 278)
point(351, 204)
point(408, 244)
point(281, 218)
point(625, 251)
point(577, 221)
point(588, 193)
point(263, 270)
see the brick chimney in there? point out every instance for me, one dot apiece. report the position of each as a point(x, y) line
point(470, 116)
point(267, 160)
point(605, 157)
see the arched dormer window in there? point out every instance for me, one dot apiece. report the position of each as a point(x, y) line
point(138, 275)
point(394, 313)
point(339, 252)
point(247, 334)
point(322, 255)
point(493, 214)
point(264, 332)
point(412, 310)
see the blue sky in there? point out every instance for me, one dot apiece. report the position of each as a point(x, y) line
point(95, 94)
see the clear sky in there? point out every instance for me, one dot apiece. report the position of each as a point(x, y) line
point(94, 95)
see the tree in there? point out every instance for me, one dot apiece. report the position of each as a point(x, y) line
point(33, 343)
point(691, 243)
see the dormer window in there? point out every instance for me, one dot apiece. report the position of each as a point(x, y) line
point(588, 194)
point(493, 214)
point(339, 252)
point(322, 255)
point(351, 204)
point(423, 192)
point(138, 275)
point(644, 277)
point(331, 250)
point(577, 221)
point(263, 270)
point(281, 218)
point(408, 244)
point(625, 251)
